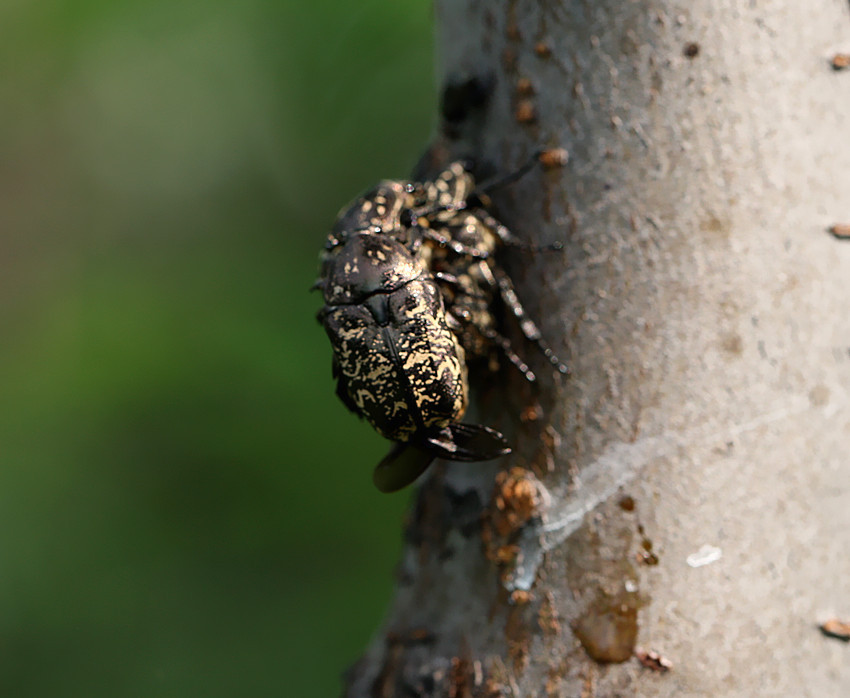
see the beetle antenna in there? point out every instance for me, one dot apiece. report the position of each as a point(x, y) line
point(504, 180)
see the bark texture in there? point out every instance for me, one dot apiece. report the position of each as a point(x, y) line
point(687, 489)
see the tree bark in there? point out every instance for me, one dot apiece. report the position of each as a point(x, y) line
point(687, 489)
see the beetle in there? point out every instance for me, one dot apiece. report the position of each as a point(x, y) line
point(396, 361)
point(411, 282)
point(447, 221)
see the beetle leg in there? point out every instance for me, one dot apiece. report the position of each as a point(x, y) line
point(454, 245)
point(511, 240)
point(446, 277)
point(505, 345)
point(527, 325)
point(511, 177)
point(453, 322)
point(501, 231)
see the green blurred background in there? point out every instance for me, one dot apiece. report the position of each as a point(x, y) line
point(185, 507)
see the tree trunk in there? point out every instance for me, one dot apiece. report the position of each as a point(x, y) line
point(687, 489)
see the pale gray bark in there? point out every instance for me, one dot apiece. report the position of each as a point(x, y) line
point(703, 309)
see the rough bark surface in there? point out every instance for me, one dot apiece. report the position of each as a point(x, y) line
point(702, 306)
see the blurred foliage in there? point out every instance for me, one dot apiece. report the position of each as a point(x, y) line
point(185, 507)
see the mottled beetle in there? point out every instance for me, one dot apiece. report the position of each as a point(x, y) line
point(409, 280)
point(396, 361)
point(463, 241)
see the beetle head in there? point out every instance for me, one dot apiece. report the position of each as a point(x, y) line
point(367, 264)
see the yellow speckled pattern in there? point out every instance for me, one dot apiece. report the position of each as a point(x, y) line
point(406, 375)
